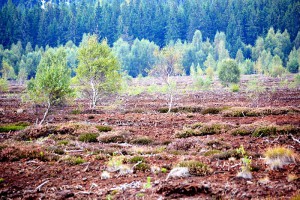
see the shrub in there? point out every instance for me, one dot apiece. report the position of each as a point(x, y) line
point(74, 160)
point(235, 88)
point(142, 141)
point(229, 72)
point(277, 157)
point(199, 129)
point(88, 137)
point(195, 167)
point(243, 130)
point(104, 128)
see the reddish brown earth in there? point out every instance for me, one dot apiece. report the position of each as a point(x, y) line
point(138, 116)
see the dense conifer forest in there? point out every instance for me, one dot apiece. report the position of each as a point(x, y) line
point(205, 31)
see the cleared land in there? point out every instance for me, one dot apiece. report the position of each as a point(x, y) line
point(131, 138)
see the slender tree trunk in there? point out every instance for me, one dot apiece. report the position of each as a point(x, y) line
point(94, 95)
point(46, 113)
point(170, 102)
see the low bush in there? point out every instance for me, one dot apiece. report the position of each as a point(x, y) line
point(144, 140)
point(181, 109)
point(199, 129)
point(136, 159)
point(211, 110)
point(196, 168)
point(104, 128)
point(117, 137)
point(211, 152)
point(142, 167)
point(88, 137)
point(235, 88)
point(74, 160)
point(228, 154)
point(264, 131)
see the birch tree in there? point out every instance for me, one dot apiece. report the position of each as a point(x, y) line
point(97, 72)
point(51, 85)
point(168, 64)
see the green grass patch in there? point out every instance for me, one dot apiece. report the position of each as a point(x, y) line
point(13, 127)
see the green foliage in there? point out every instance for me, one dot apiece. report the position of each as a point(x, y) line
point(235, 88)
point(97, 72)
point(88, 137)
point(13, 127)
point(164, 170)
point(196, 168)
point(104, 128)
point(229, 72)
point(136, 159)
point(1, 180)
point(7, 71)
point(148, 184)
point(74, 160)
point(277, 70)
point(3, 85)
point(293, 61)
point(52, 82)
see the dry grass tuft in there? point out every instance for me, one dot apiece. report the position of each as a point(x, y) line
point(279, 156)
